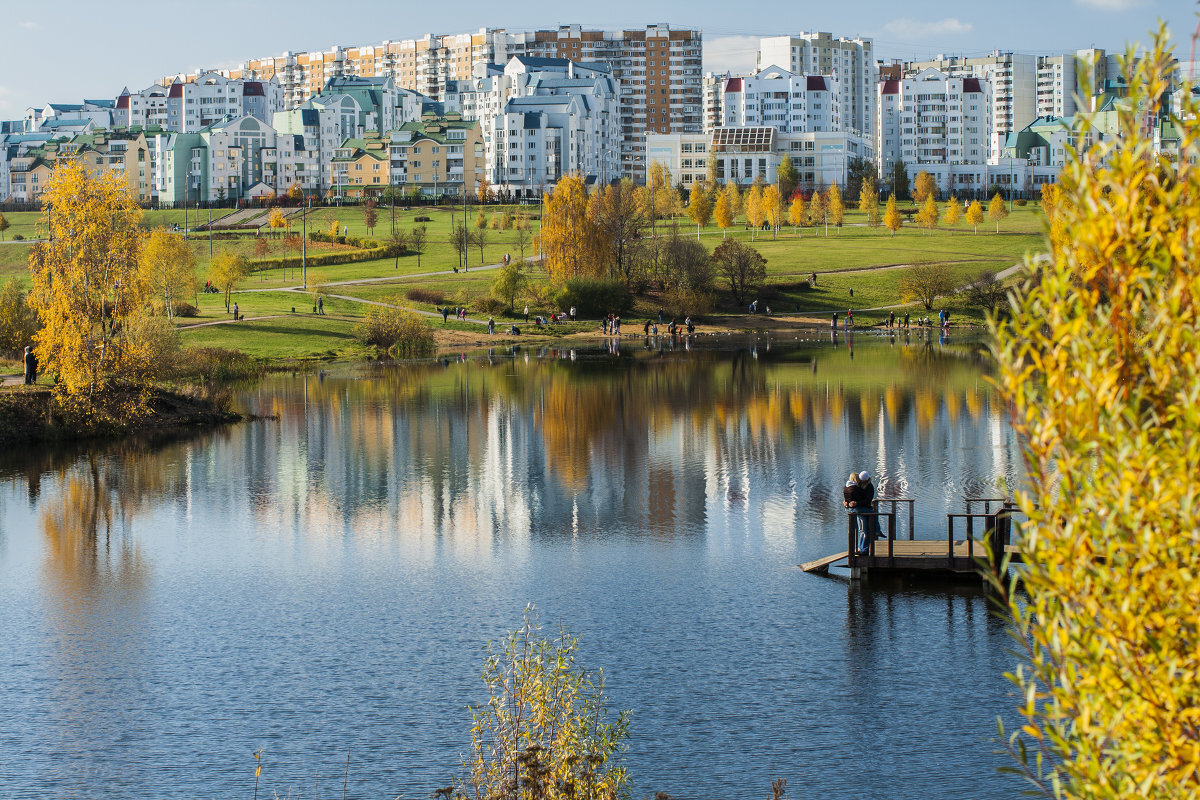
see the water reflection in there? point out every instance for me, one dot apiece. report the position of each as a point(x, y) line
point(341, 563)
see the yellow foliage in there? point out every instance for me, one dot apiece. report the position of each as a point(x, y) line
point(773, 207)
point(755, 213)
point(699, 209)
point(170, 268)
point(724, 213)
point(734, 196)
point(953, 212)
point(997, 210)
point(927, 217)
point(1099, 365)
point(797, 211)
point(891, 215)
point(569, 236)
point(924, 186)
point(226, 271)
point(837, 207)
point(87, 281)
point(975, 215)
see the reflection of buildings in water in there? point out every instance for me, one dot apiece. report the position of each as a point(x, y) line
point(463, 454)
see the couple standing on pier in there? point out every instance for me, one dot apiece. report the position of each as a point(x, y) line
point(859, 500)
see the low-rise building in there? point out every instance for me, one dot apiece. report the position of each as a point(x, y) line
point(437, 155)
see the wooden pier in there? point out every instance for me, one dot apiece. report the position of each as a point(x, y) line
point(959, 553)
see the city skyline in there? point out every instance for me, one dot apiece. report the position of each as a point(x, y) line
point(88, 64)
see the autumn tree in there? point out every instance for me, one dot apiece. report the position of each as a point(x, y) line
point(460, 241)
point(480, 220)
point(521, 238)
point(544, 732)
point(509, 282)
point(480, 239)
point(953, 213)
point(891, 215)
point(18, 319)
point(786, 177)
point(170, 268)
point(724, 213)
point(743, 267)
point(616, 218)
point(87, 281)
point(334, 228)
point(817, 209)
point(295, 192)
point(1051, 197)
point(417, 240)
point(398, 243)
point(699, 209)
point(657, 199)
point(261, 248)
point(276, 222)
point(837, 207)
point(4, 225)
point(868, 200)
point(370, 212)
point(568, 235)
point(974, 215)
point(797, 212)
point(773, 209)
point(927, 217)
point(734, 195)
point(924, 186)
point(710, 179)
point(997, 211)
point(755, 212)
point(484, 190)
point(1098, 366)
point(226, 271)
point(926, 282)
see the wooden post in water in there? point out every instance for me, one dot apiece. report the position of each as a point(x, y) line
point(851, 548)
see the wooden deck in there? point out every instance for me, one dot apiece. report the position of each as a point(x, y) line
point(961, 552)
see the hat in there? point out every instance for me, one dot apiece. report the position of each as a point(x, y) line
point(864, 476)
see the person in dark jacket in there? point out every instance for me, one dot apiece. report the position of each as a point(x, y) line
point(866, 498)
point(852, 500)
point(31, 367)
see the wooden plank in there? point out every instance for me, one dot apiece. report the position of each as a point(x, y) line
point(822, 564)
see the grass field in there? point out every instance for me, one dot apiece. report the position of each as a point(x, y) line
point(868, 261)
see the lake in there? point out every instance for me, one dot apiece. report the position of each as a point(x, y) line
point(324, 582)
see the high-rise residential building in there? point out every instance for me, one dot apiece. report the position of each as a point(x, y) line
point(658, 70)
point(1013, 81)
point(713, 93)
point(207, 98)
point(935, 122)
point(852, 61)
point(783, 100)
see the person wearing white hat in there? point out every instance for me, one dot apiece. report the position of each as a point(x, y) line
point(866, 503)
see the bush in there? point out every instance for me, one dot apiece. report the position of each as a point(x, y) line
point(681, 302)
point(431, 296)
point(594, 297)
point(152, 343)
point(1022, 202)
point(186, 310)
point(397, 331)
point(489, 305)
point(18, 322)
point(16, 237)
point(422, 219)
point(354, 241)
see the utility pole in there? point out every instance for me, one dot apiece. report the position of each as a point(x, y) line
point(304, 243)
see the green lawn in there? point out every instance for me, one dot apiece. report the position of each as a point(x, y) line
point(290, 337)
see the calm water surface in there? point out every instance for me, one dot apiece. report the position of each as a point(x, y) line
point(325, 582)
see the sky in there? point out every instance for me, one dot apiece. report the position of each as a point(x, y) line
point(72, 49)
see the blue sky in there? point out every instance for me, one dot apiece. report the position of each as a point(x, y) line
point(64, 51)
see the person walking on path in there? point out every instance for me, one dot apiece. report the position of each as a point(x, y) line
point(235, 312)
point(320, 306)
point(527, 312)
point(445, 314)
point(31, 366)
point(572, 313)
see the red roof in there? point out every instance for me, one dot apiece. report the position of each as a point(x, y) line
point(891, 87)
point(123, 101)
point(176, 90)
point(971, 85)
point(253, 89)
point(733, 85)
point(816, 82)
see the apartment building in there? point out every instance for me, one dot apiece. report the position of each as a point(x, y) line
point(713, 98)
point(747, 153)
point(99, 113)
point(934, 120)
point(29, 161)
point(437, 155)
point(1012, 78)
point(851, 61)
point(783, 100)
point(658, 70)
point(219, 163)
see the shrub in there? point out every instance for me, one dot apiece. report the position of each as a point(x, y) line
point(422, 219)
point(186, 310)
point(16, 237)
point(431, 296)
point(396, 330)
point(151, 343)
point(1022, 202)
point(18, 321)
point(681, 302)
point(489, 305)
point(594, 297)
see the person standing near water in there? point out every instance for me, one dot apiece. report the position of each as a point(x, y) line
point(491, 325)
point(31, 366)
point(852, 501)
point(834, 322)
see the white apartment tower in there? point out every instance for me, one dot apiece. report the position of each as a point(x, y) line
point(777, 98)
point(933, 120)
point(851, 61)
point(1013, 81)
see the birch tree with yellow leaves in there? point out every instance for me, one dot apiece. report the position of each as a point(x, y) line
point(88, 284)
point(1098, 363)
point(568, 235)
point(170, 268)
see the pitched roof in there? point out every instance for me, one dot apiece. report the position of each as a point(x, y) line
point(733, 85)
point(816, 83)
point(891, 87)
point(971, 86)
point(253, 89)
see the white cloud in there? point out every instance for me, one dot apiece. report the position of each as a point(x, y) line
point(27, 25)
point(1110, 5)
point(913, 29)
point(736, 54)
